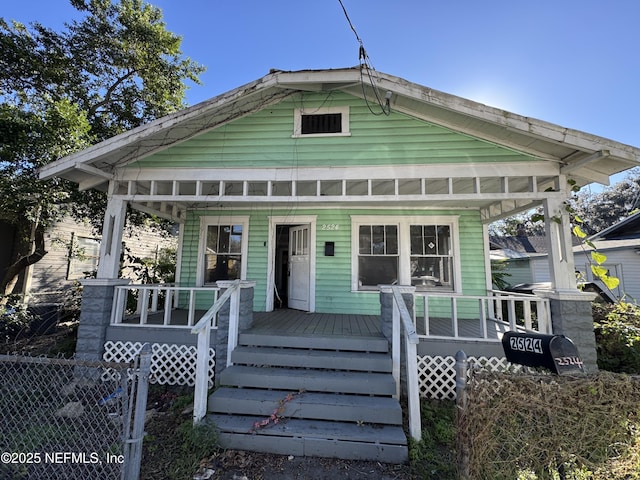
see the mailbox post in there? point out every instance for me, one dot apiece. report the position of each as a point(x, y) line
point(553, 352)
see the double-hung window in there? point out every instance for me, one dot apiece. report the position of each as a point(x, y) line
point(431, 260)
point(223, 250)
point(83, 257)
point(419, 251)
point(377, 255)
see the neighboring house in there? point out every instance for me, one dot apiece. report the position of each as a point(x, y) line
point(527, 261)
point(73, 251)
point(325, 191)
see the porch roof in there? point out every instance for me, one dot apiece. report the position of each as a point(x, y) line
point(586, 158)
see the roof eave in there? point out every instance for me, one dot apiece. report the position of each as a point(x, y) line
point(588, 158)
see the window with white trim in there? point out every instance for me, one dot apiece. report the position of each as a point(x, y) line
point(418, 251)
point(321, 122)
point(83, 257)
point(377, 256)
point(223, 249)
point(431, 260)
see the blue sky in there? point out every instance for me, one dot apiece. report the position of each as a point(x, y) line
point(569, 62)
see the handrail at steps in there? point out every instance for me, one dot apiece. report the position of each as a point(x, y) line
point(401, 315)
point(215, 308)
point(203, 330)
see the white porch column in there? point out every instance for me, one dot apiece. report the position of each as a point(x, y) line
point(559, 245)
point(111, 244)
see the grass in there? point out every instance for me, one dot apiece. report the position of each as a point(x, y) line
point(173, 447)
point(434, 457)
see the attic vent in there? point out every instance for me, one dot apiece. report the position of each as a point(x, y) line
point(325, 121)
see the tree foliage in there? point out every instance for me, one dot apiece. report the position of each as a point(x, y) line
point(112, 70)
point(606, 208)
point(597, 211)
point(523, 223)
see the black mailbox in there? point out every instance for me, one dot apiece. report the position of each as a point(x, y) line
point(553, 352)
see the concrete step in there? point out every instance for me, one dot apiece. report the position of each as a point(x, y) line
point(326, 359)
point(308, 380)
point(313, 438)
point(333, 343)
point(308, 405)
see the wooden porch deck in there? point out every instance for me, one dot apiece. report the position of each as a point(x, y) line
point(288, 322)
point(294, 322)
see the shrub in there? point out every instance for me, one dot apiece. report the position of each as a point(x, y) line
point(617, 330)
point(549, 427)
point(15, 320)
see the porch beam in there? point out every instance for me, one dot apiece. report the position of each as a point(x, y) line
point(511, 199)
point(570, 167)
point(361, 172)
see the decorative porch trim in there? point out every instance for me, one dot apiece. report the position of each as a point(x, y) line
point(171, 364)
point(437, 374)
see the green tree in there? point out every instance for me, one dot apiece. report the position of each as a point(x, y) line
point(114, 69)
point(601, 210)
point(522, 223)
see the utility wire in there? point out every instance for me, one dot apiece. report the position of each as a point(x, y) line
point(365, 63)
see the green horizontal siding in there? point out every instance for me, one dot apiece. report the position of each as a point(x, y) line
point(263, 140)
point(333, 273)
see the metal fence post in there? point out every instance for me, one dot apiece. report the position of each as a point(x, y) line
point(133, 461)
point(461, 408)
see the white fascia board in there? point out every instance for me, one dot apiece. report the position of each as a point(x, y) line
point(137, 134)
point(518, 123)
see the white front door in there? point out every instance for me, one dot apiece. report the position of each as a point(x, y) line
point(299, 272)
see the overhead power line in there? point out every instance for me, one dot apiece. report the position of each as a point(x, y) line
point(366, 68)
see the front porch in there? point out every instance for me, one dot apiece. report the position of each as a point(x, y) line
point(443, 323)
point(333, 357)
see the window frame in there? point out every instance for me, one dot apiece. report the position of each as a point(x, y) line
point(207, 221)
point(298, 113)
point(404, 224)
point(74, 263)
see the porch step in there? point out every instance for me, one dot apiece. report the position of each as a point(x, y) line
point(355, 344)
point(314, 438)
point(309, 405)
point(332, 397)
point(294, 357)
point(309, 380)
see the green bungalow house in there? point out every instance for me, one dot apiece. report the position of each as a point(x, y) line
point(321, 203)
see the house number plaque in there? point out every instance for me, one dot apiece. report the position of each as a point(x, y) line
point(329, 226)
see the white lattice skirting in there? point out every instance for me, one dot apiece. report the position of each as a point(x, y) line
point(437, 375)
point(171, 364)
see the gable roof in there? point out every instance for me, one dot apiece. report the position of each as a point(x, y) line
point(521, 244)
point(586, 158)
point(626, 229)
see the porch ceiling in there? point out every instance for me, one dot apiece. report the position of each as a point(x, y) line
point(587, 158)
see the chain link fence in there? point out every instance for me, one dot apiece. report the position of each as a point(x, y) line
point(70, 419)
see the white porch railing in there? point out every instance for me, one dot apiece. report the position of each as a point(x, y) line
point(170, 301)
point(203, 330)
point(403, 328)
point(479, 317)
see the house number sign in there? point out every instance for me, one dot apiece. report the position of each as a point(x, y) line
point(329, 226)
point(526, 344)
